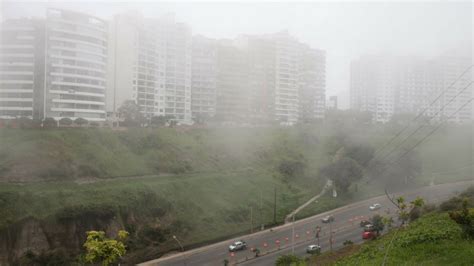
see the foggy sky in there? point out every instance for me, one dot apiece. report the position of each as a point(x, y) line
point(345, 30)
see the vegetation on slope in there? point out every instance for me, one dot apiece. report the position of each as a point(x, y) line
point(433, 239)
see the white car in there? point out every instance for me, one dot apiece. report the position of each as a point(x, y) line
point(313, 249)
point(375, 206)
point(238, 245)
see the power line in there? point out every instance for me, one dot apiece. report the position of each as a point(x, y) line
point(421, 126)
point(418, 116)
point(389, 165)
point(434, 130)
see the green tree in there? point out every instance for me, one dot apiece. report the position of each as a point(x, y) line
point(129, 111)
point(159, 121)
point(100, 249)
point(465, 219)
point(388, 221)
point(65, 121)
point(24, 122)
point(404, 209)
point(80, 121)
point(342, 172)
point(201, 119)
point(377, 222)
point(289, 260)
point(49, 122)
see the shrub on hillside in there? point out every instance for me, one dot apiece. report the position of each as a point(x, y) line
point(465, 219)
point(291, 167)
point(49, 122)
point(289, 260)
point(65, 121)
point(80, 121)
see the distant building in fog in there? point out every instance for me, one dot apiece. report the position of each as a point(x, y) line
point(74, 65)
point(203, 77)
point(54, 67)
point(287, 78)
point(332, 102)
point(311, 83)
point(21, 65)
point(150, 63)
point(386, 85)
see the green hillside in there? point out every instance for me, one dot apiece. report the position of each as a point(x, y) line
point(199, 184)
point(432, 240)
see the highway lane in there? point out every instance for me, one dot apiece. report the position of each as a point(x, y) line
point(346, 227)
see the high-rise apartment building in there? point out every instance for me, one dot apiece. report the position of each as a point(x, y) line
point(150, 65)
point(286, 89)
point(76, 65)
point(287, 78)
point(54, 67)
point(232, 88)
point(374, 83)
point(21, 68)
point(311, 83)
point(203, 77)
point(386, 85)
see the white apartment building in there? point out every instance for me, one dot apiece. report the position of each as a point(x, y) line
point(388, 85)
point(203, 77)
point(311, 83)
point(76, 66)
point(18, 62)
point(374, 83)
point(54, 67)
point(286, 89)
point(287, 78)
point(151, 65)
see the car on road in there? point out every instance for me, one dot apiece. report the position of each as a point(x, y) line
point(364, 223)
point(369, 235)
point(237, 245)
point(313, 249)
point(328, 219)
point(375, 206)
point(368, 228)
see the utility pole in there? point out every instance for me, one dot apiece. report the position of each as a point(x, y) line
point(251, 219)
point(293, 236)
point(318, 230)
point(275, 206)
point(330, 235)
point(261, 210)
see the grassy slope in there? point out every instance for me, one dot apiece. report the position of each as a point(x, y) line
point(225, 171)
point(210, 206)
point(431, 240)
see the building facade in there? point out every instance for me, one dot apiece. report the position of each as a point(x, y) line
point(150, 65)
point(54, 67)
point(311, 84)
point(21, 69)
point(76, 66)
point(203, 77)
point(386, 86)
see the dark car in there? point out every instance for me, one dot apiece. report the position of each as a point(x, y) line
point(364, 223)
point(369, 228)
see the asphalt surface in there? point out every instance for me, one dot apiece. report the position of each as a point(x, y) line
point(275, 242)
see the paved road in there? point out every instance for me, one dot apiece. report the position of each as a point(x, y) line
point(345, 227)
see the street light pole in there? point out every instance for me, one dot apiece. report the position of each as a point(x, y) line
point(181, 246)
